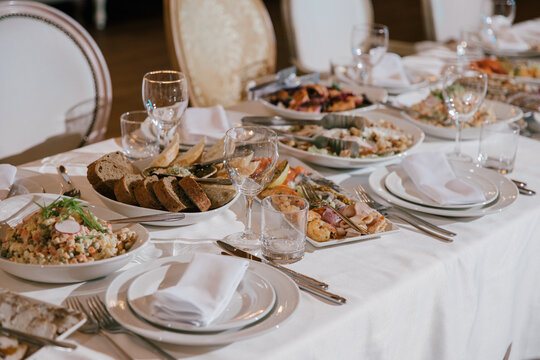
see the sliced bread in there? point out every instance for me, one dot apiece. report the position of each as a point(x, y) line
point(196, 194)
point(124, 189)
point(219, 195)
point(107, 170)
point(144, 193)
point(171, 195)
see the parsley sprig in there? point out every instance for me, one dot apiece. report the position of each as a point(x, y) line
point(64, 207)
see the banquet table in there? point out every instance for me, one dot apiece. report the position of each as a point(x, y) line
point(409, 295)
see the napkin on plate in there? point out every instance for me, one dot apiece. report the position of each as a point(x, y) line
point(434, 177)
point(7, 177)
point(210, 122)
point(390, 72)
point(203, 292)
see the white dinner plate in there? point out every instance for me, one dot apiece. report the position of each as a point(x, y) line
point(351, 163)
point(373, 94)
point(287, 300)
point(390, 227)
point(503, 113)
point(417, 79)
point(29, 182)
point(68, 273)
point(401, 185)
point(508, 193)
point(252, 300)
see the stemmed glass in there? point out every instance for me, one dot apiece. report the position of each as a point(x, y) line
point(464, 89)
point(369, 43)
point(251, 155)
point(165, 96)
point(497, 17)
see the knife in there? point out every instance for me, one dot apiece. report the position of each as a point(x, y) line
point(242, 253)
point(35, 339)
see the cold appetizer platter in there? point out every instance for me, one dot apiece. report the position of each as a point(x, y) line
point(313, 101)
point(382, 138)
point(192, 182)
point(64, 240)
point(33, 317)
point(527, 71)
point(434, 119)
point(325, 228)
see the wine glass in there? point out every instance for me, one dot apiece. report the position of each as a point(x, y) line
point(497, 17)
point(251, 155)
point(165, 96)
point(369, 43)
point(464, 89)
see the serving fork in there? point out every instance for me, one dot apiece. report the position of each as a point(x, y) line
point(91, 326)
point(314, 200)
point(418, 223)
point(108, 323)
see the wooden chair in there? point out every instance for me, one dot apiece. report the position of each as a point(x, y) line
point(444, 20)
point(55, 93)
point(319, 30)
point(220, 46)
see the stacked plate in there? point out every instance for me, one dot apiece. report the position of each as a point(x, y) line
point(393, 185)
point(264, 299)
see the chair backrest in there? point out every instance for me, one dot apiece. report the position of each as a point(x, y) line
point(444, 19)
point(220, 46)
point(55, 88)
point(319, 30)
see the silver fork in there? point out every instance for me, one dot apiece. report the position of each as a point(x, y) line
point(15, 218)
point(107, 322)
point(91, 326)
point(421, 225)
point(314, 200)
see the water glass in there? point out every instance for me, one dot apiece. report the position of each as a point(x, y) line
point(498, 146)
point(138, 139)
point(283, 225)
point(369, 43)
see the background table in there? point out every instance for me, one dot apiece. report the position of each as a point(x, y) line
point(410, 296)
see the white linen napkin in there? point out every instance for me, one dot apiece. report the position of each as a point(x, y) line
point(434, 177)
point(390, 72)
point(80, 353)
point(211, 122)
point(7, 177)
point(204, 291)
point(428, 64)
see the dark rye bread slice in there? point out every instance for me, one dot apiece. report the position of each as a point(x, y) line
point(107, 170)
point(219, 195)
point(171, 195)
point(144, 193)
point(196, 194)
point(124, 189)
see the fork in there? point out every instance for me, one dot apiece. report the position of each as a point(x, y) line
point(363, 196)
point(91, 326)
point(314, 200)
point(15, 218)
point(108, 323)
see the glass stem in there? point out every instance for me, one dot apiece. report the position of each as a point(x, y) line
point(457, 143)
point(249, 202)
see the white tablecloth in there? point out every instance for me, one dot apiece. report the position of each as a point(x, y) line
point(409, 295)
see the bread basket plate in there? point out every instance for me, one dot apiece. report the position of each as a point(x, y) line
point(191, 217)
point(69, 273)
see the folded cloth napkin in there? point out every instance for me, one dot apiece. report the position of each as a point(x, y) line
point(434, 177)
point(390, 72)
point(7, 177)
point(203, 292)
point(427, 64)
point(81, 353)
point(210, 122)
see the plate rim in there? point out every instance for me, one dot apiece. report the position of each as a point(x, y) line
point(283, 281)
point(376, 183)
point(198, 329)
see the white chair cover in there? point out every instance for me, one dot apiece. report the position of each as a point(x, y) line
point(444, 19)
point(55, 92)
point(319, 30)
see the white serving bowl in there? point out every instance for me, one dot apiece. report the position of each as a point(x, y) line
point(69, 273)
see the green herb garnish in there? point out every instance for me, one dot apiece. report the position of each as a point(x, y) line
point(64, 207)
point(80, 237)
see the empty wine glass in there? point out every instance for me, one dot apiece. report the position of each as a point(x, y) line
point(464, 89)
point(497, 17)
point(369, 43)
point(251, 155)
point(165, 96)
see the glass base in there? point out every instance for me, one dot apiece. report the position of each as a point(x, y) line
point(245, 241)
point(459, 157)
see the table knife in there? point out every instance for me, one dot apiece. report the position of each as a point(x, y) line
point(35, 339)
point(241, 253)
